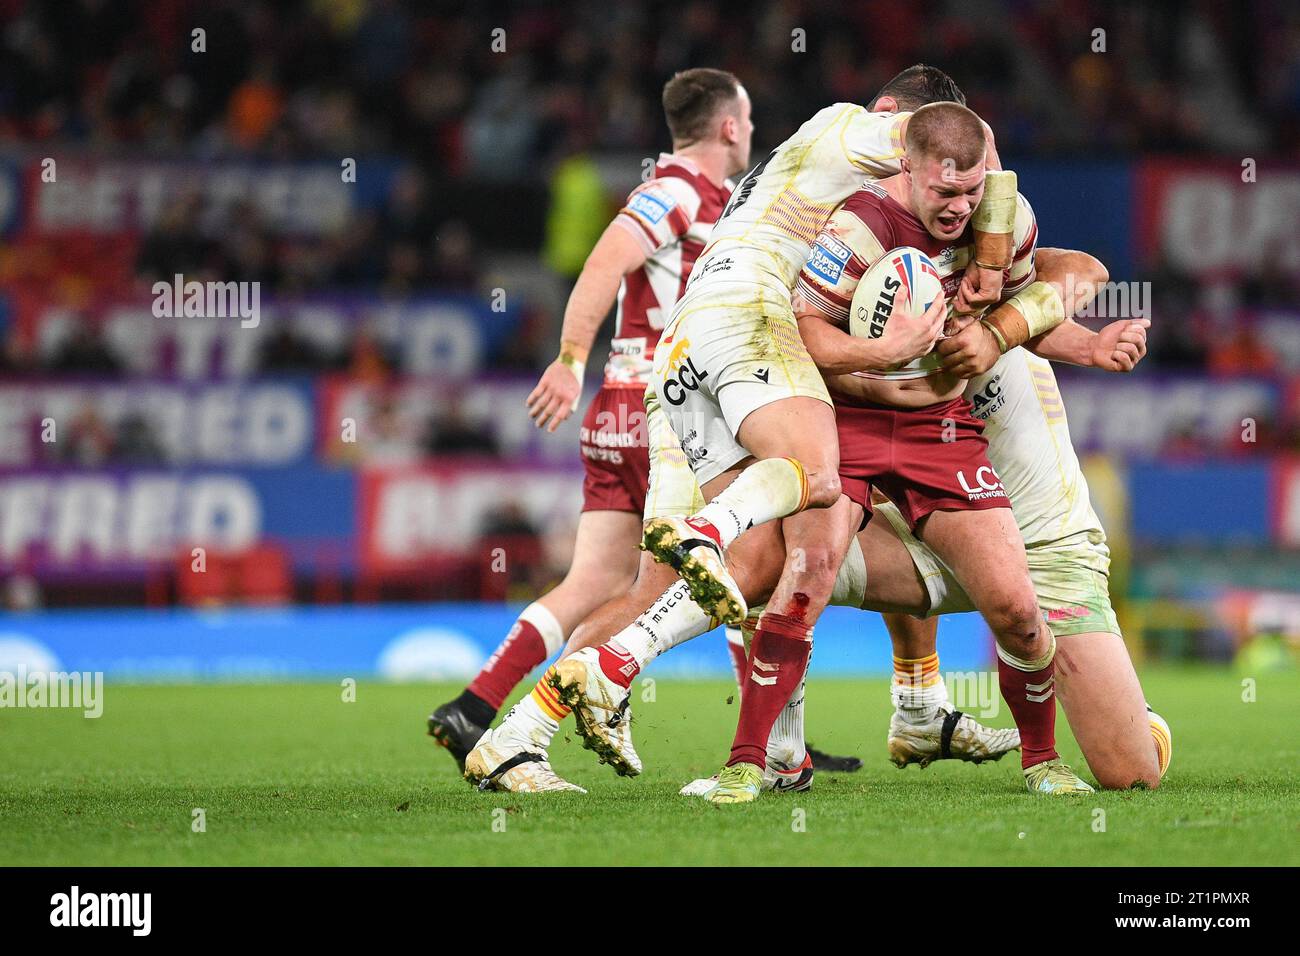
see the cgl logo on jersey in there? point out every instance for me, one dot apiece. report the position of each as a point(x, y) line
point(988, 482)
point(681, 375)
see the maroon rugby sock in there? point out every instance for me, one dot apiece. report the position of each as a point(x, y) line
point(778, 661)
point(1031, 696)
point(521, 651)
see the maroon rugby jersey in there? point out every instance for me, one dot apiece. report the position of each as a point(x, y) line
point(671, 215)
point(869, 224)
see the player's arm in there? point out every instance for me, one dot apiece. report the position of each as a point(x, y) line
point(993, 225)
point(845, 249)
point(557, 393)
point(1029, 307)
point(1117, 347)
point(835, 352)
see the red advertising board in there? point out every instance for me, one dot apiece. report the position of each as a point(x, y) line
point(1211, 219)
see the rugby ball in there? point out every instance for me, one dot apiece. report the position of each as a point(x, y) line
point(904, 273)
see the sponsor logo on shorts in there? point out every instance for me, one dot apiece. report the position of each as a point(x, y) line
point(1070, 612)
point(987, 484)
point(681, 375)
point(633, 348)
point(693, 455)
point(650, 205)
point(828, 258)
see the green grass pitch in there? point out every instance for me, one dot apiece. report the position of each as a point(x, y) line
point(290, 774)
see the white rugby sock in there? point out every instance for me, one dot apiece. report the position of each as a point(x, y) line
point(673, 619)
point(528, 725)
point(785, 745)
point(764, 491)
point(539, 616)
point(738, 653)
point(918, 705)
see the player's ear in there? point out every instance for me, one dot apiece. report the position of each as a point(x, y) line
point(885, 104)
point(730, 129)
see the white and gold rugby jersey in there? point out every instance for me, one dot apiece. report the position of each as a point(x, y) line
point(1030, 448)
point(777, 209)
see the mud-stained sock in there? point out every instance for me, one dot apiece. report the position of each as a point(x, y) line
point(766, 490)
point(535, 720)
point(546, 699)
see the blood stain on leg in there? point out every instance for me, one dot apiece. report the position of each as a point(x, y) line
point(798, 606)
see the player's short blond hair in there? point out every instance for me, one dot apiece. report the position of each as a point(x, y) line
point(946, 131)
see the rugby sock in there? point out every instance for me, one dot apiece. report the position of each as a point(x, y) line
point(1028, 687)
point(777, 665)
point(766, 490)
point(536, 718)
point(785, 747)
point(1163, 738)
point(736, 648)
point(545, 699)
point(917, 688)
point(617, 663)
point(672, 619)
point(535, 637)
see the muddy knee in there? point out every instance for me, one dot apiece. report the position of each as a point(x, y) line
point(1127, 774)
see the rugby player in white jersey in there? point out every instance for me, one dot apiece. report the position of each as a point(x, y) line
point(1124, 742)
point(903, 577)
point(772, 385)
point(643, 258)
point(1016, 395)
point(920, 478)
point(909, 432)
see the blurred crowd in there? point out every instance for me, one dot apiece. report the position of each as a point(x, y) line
point(502, 88)
point(500, 116)
point(513, 93)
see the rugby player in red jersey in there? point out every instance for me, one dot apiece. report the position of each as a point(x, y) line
point(830, 172)
point(909, 431)
point(643, 261)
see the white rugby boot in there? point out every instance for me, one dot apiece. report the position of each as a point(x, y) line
point(502, 760)
point(601, 710)
point(950, 735)
point(700, 562)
